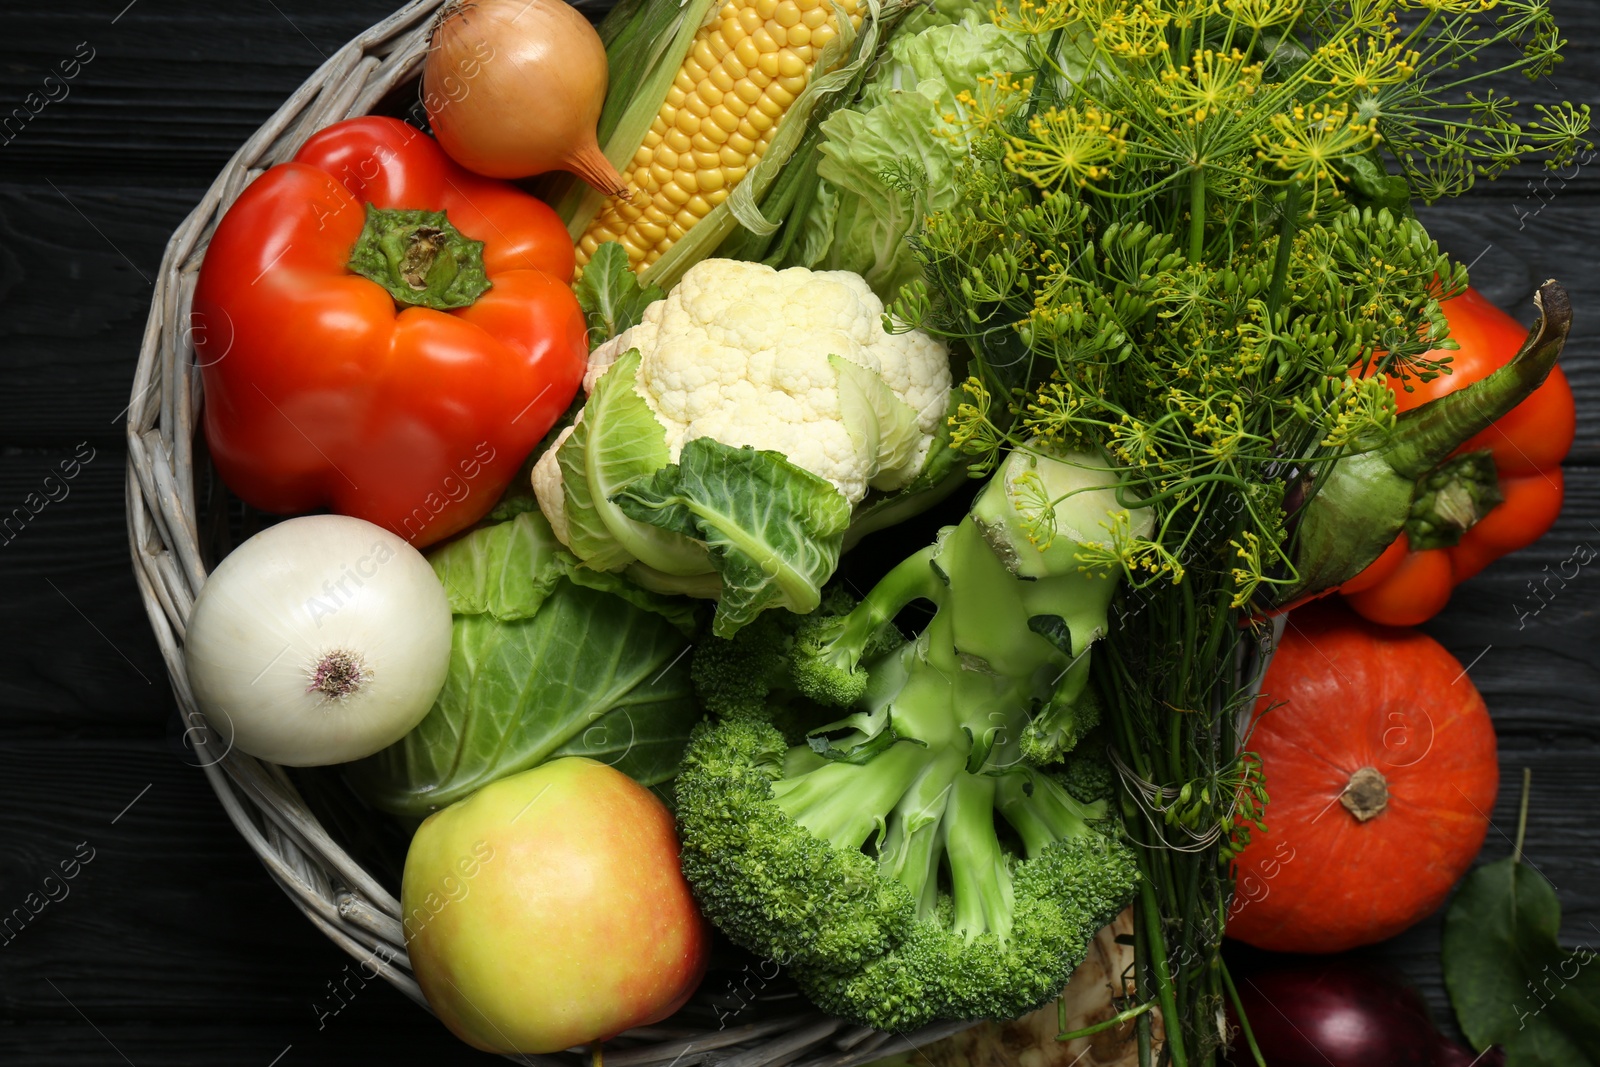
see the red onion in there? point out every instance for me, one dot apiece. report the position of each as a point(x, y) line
point(1342, 1012)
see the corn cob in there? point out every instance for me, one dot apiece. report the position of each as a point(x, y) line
point(744, 69)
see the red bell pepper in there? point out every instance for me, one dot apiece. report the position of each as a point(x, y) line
point(1500, 491)
point(383, 333)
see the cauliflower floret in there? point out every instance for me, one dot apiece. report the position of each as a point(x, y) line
point(740, 352)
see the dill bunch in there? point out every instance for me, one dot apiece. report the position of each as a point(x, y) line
point(1178, 255)
point(1184, 238)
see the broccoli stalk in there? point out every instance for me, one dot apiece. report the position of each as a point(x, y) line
point(909, 862)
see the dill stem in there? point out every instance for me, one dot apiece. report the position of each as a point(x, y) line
point(1280, 266)
point(1141, 950)
point(1150, 913)
point(1238, 1014)
point(1197, 213)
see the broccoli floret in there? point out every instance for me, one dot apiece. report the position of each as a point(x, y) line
point(1007, 936)
point(1087, 775)
point(816, 656)
point(770, 885)
point(1061, 722)
point(735, 677)
point(908, 864)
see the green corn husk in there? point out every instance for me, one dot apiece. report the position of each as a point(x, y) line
point(646, 42)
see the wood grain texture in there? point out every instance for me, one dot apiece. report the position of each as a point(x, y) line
point(173, 946)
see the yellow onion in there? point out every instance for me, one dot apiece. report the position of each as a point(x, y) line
point(514, 88)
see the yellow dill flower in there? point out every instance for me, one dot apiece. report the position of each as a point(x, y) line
point(1132, 31)
point(1135, 443)
point(1248, 576)
point(971, 430)
point(1038, 512)
point(1450, 7)
point(1121, 549)
point(986, 108)
point(1259, 14)
point(1034, 17)
point(1311, 139)
point(1349, 66)
point(1186, 13)
point(1210, 83)
point(1068, 146)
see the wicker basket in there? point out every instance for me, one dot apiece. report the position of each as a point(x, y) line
point(178, 525)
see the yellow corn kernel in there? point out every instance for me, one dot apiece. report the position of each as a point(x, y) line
point(743, 71)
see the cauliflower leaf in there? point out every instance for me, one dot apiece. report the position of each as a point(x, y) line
point(774, 531)
point(616, 441)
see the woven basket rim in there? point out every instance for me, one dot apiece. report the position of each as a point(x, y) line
point(330, 887)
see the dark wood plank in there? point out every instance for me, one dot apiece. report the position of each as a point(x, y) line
point(79, 651)
point(170, 915)
point(170, 88)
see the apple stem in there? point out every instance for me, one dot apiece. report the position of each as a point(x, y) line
point(596, 1055)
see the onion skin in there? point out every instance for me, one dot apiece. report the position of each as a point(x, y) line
point(514, 88)
point(1340, 1013)
point(320, 640)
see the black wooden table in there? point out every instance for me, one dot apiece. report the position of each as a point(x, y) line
point(171, 945)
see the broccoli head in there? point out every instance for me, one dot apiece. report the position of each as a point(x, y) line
point(906, 862)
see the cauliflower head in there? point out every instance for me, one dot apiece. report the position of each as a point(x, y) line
point(729, 435)
point(751, 356)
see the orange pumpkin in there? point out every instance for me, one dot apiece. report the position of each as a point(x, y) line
point(1381, 771)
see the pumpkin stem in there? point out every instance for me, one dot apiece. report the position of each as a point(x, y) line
point(1366, 795)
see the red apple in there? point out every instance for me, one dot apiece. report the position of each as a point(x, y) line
point(547, 910)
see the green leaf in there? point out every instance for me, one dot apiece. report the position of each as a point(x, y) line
point(880, 424)
point(610, 294)
point(889, 162)
point(1374, 186)
point(505, 570)
point(1510, 981)
point(617, 442)
point(579, 677)
point(774, 531)
point(676, 607)
point(944, 470)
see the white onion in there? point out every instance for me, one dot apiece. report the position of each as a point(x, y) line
point(319, 640)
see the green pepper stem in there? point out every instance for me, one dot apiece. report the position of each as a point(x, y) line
point(1424, 437)
point(420, 259)
point(1522, 816)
